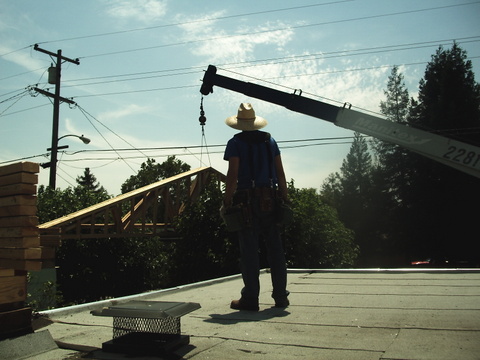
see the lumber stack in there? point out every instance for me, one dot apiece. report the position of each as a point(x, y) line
point(21, 248)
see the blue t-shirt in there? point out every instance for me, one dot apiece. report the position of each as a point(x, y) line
point(256, 160)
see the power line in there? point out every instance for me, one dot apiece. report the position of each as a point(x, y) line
point(196, 85)
point(279, 29)
point(84, 112)
point(189, 22)
point(270, 61)
point(336, 140)
point(137, 91)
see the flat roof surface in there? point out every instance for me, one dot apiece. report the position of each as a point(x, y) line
point(350, 314)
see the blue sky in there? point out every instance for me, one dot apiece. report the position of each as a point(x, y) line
point(142, 61)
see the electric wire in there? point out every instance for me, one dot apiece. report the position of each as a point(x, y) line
point(19, 95)
point(354, 19)
point(279, 60)
point(189, 42)
point(113, 132)
point(17, 98)
point(59, 169)
point(169, 149)
point(245, 34)
point(85, 113)
point(24, 110)
point(188, 86)
point(14, 51)
point(190, 22)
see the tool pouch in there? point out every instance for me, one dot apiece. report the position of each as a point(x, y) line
point(234, 218)
point(239, 216)
point(266, 199)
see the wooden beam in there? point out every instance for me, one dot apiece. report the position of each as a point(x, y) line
point(140, 200)
point(22, 210)
point(13, 289)
point(50, 240)
point(15, 322)
point(19, 221)
point(18, 231)
point(121, 198)
point(25, 200)
point(20, 242)
point(19, 178)
point(29, 265)
point(39, 253)
point(7, 272)
point(25, 166)
point(18, 189)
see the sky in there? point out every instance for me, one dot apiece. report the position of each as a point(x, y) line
point(141, 64)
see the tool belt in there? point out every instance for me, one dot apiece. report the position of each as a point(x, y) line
point(265, 197)
point(240, 214)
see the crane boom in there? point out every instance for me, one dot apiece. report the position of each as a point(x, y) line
point(454, 153)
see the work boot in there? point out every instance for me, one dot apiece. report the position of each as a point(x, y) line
point(243, 304)
point(282, 302)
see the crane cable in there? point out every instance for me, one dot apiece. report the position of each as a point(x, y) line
point(202, 119)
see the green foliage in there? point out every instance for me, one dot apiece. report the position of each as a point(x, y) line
point(43, 297)
point(437, 199)
point(206, 250)
point(151, 172)
point(406, 206)
point(88, 181)
point(94, 269)
point(317, 238)
point(52, 204)
point(351, 192)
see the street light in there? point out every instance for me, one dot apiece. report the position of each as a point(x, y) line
point(81, 137)
point(53, 157)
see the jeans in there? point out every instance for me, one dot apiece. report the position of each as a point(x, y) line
point(263, 225)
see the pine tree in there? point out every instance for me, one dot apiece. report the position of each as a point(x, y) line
point(395, 108)
point(355, 179)
point(88, 180)
point(441, 200)
point(391, 175)
point(350, 192)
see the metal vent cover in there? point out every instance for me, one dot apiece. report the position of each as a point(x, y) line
point(126, 325)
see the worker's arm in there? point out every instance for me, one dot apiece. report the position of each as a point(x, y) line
point(282, 181)
point(232, 177)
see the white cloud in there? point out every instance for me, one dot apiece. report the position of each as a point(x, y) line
point(126, 111)
point(23, 59)
point(220, 45)
point(145, 11)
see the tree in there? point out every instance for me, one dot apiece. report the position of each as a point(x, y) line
point(88, 180)
point(391, 175)
point(317, 238)
point(55, 203)
point(98, 264)
point(355, 183)
point(205, 250)
point(151, 172)
point(440, 200)
point(76, 259)
point(396, 109)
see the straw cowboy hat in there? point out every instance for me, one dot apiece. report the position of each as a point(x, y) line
point(246, 119)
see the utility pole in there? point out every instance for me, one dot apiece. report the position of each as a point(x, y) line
point(56, 108)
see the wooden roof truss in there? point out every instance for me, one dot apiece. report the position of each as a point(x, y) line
point(147, 211)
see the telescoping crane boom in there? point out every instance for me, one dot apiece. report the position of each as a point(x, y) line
point(454, 153)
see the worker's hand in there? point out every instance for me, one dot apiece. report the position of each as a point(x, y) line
point(222, 212)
